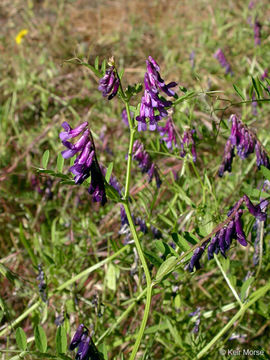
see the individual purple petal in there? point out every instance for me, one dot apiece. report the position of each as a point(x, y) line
point(194, 261)
point(71, 133)
point(212, 247)
point(255, 210)
point(83, 350)
point(239, 229)
point(221, 242)
point(68, 153)
point(230, 231)
point(77, 337)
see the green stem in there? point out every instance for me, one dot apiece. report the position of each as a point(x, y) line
point(148, 283)
point(228, 281)
point(20, 318)
point(129, 161)
point(122, 317)
point(136, 239)
point(261, 229)
point(255, 296)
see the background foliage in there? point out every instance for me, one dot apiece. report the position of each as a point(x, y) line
point(45, 222)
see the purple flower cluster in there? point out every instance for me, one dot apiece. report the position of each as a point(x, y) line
point(168, 133)
point(145, 162)
point(86, 163)
point(86, 347)
point(257, 32)
point(246, 142)
point(138, 221)
point(151, 102)
point(109, 84)
point(222, 239)
point(219, 55)
point(188, 140)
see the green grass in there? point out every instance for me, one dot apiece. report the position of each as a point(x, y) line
point(75, 239)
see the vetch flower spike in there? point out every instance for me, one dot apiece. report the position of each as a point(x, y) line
point(110, 83)
point(145, 162)
point(188, 140)
point(168, 133)
point(219, 55)
point(232, 229)
point(153, 107)
point(86, 163)
point(246, 142)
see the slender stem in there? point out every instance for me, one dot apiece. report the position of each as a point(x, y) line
point(228, 281)
point(20, 318)
point(129, 161)
point(255, 296)
point(136, 239)
point(122, 317)
point(148, 283)
point(261, 229)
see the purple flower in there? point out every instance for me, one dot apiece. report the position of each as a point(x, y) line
point(188, 140)
point(246, 142)
point(195, 260)
point(86, 163)
point(145, 163)
point(84, 349)
point(228, 156)
point(222, 239)
point(168, 133)
point(153, 107)
point(109, 84)
point(70, 133)
point(213, 247)
point(219, 55)
point(257, 32)
point(157, 234)
point(240, 235)
point(251, 5)
point(256, 211)
point(81, 330)
point(153, 80)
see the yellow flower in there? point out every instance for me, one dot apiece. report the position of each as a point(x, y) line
point(21, 35)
